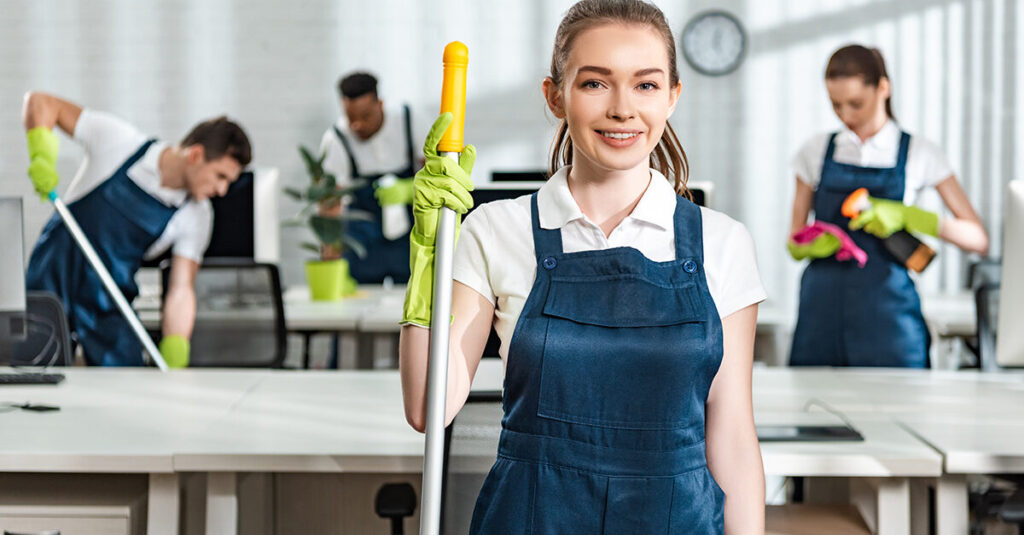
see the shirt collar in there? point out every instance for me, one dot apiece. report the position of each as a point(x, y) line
point(556, 207)
point(887, 136)
point(150, 164)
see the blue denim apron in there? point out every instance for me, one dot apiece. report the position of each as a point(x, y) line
point(384, 257)
point(121, 221)
point(852, 316)
point(608, 373)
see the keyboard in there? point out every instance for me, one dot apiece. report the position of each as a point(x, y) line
point(30, 378)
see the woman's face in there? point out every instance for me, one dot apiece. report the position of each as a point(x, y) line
point(616, 96)
point(858, 105)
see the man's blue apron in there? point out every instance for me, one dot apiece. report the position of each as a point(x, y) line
point(607, 376)
point(121, 221)
point(384, 257)
point(852, 316)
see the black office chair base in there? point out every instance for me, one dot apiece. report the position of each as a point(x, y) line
point(395, 501)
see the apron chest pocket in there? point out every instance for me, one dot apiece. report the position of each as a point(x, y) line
point(622, 353)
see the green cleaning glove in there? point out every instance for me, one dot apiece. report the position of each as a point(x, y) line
point(887, 216)
point(401, 192)
point(175, 349)
point(823, 246)
point(442, 182)
point(42, 154)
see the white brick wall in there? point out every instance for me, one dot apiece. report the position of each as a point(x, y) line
point(956, 66)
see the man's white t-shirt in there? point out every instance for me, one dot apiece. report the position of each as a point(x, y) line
point(108, 142)
point(495, 254)
point(927, 165)
point(386, 151)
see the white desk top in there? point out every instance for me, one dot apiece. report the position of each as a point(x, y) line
point(139, 420)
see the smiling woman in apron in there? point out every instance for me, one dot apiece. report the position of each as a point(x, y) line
point(871, 315)
point(626, 313)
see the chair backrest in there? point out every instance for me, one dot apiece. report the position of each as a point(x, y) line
point(470, 450)
point(984, 277)
point(239, 315)
point(48, 338)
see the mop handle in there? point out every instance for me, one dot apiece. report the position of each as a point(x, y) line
point(108, 281)
point(453, 99)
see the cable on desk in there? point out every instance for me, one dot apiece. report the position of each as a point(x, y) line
point(828, 408)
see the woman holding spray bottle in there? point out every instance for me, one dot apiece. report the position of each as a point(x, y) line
point(870, 314)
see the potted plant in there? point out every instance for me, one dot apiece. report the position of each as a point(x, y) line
point(325, 214)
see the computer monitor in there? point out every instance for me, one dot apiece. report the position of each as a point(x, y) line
point(701, 191)
point(245, 223)
point(494, 191)
point(530, 175)
point(12, 271)
point(1010, 335)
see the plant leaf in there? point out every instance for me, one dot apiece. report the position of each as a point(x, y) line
point(327, 229)
point(354, 245)
point(310, 247)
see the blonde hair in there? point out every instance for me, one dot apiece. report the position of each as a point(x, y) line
point(668, 156)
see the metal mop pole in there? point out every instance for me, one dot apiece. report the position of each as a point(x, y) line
point(108, 281)
point(453, 99)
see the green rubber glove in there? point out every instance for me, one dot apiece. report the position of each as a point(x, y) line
point(442, 182)
point(887, 216)
point(42, 154)
point(399, 193)
point(175, 350)
point(823, 246)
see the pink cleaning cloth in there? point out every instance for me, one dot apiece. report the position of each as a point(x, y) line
point(848, 250)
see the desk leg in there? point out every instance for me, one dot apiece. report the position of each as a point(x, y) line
point(920, 513)
point(222, 503)
point(951, 507)
point(884, 503)
point(893, 506)
point(162, 514)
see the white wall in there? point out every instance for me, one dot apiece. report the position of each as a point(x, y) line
point(956, 67)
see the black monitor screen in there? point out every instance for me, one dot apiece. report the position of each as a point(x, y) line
point(698, 196)
point(512, 191)
point(519, 176)
point(482, 195)
point(233, 219)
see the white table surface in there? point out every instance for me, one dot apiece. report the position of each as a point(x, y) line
point(139, 420)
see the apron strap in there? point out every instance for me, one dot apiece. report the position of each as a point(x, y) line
point(831, 147)
point(689, 230)
point(901, 162)
point(353, 168)
point(546, 242)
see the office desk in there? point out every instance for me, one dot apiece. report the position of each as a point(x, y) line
point(974, 420)
point(121, 421)
point(223, 422)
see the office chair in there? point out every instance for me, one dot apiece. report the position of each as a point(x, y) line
point(983, 277)
point(48, 340)
point(239, 314)
point(470, 448)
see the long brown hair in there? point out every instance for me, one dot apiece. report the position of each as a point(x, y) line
point(668, 156)
point(857, 60)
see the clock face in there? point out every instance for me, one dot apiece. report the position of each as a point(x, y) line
point(713, 43)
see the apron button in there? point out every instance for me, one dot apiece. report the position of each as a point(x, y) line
point(549, 263)
point(689, 266)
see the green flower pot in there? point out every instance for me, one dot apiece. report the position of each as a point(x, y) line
point(328, 280)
